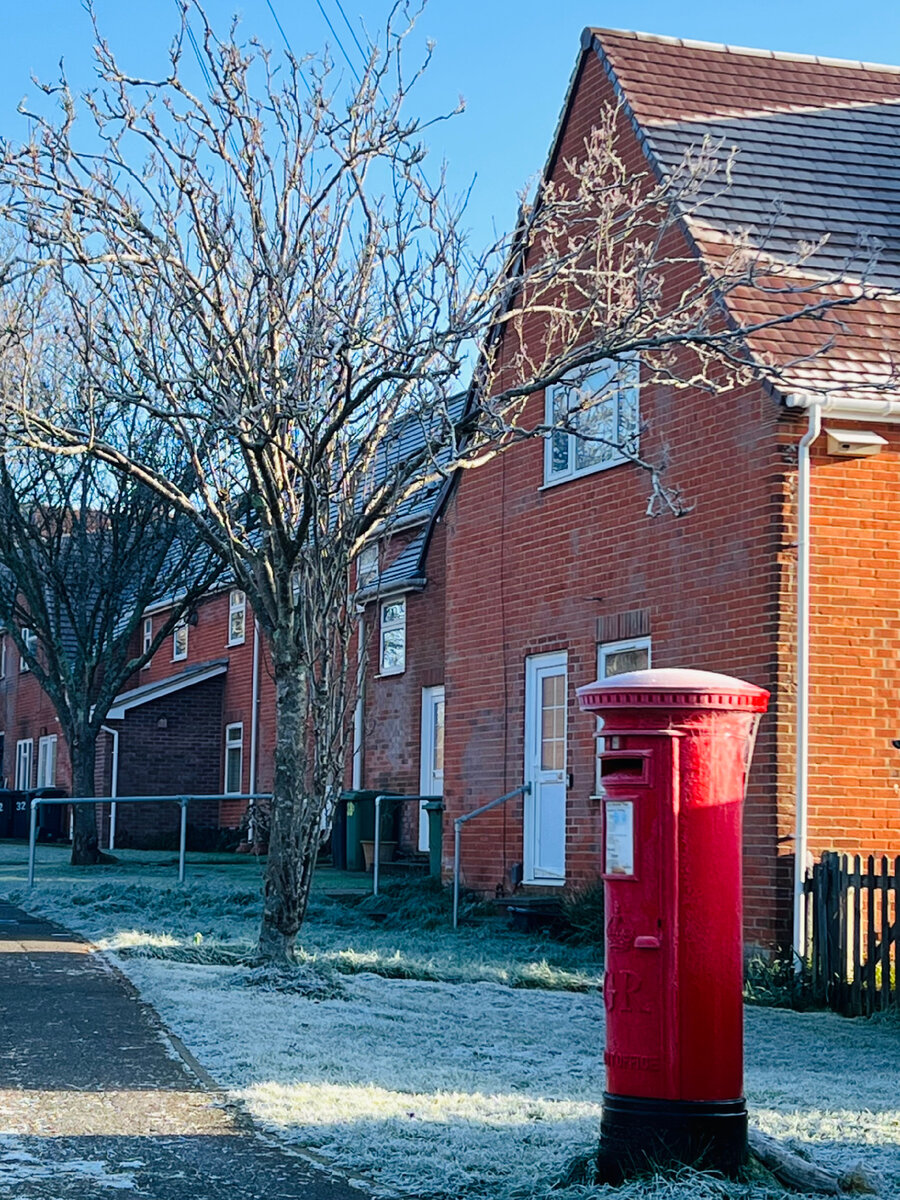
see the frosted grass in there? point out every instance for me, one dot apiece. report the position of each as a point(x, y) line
point(460, 1086)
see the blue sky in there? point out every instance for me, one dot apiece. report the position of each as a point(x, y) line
point(511, 61)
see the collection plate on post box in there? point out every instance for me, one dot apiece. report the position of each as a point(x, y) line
point(619, 837)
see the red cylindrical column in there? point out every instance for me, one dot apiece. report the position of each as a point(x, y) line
point(674, 751)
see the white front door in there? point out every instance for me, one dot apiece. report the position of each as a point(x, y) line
point(546, 699)
point(431, 770)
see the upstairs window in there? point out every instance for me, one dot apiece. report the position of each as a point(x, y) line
point(237, 617)
point(367, 568)
point(148, 640)
point(602, 418)
point(29, 637)
point(2, 656)
point(180, 641)
point(392, 657)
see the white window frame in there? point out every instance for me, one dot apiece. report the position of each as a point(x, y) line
point(2, 656)
point(237, 609)
point(234, 743)
point(180, 653)
point(29, 637)
point(147, 640)
point(24, 764)
point(367, 565)
point(392, 625)
point(47, 750)
point(605, 651)
point(619, 384)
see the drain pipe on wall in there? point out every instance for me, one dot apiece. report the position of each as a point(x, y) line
point(113, 783)
point(359, 711)
point(254, 722)
point(803, 593)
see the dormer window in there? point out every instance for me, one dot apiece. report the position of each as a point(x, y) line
point(367, 568)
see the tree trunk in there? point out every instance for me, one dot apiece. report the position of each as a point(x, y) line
point(85, 839)
point(294, 818)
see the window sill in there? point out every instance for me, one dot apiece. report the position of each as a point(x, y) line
point(390, 674)
point(552, 483)
point(231, 645)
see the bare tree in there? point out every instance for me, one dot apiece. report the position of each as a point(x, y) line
point(83, 553)
point(269, 277)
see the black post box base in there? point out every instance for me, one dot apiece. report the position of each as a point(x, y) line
point(638, 1134)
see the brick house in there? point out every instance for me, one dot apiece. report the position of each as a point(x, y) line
point(198, 718)
point(554, 572)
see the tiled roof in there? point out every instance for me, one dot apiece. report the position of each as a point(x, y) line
point(817, 146)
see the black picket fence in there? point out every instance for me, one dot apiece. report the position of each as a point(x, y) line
point(853, 932)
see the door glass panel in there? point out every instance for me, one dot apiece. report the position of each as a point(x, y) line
point(438, 739)
point(553, 723)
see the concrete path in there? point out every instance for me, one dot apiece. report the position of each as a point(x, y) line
point(96, 1100)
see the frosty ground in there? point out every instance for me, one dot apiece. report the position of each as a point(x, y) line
point(428, 1063)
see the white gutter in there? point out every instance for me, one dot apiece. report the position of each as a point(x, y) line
point(113, 783)
point(801, 817)
point(850, 409)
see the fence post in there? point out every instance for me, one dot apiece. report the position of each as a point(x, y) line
point(32, 841)
point(182, 837)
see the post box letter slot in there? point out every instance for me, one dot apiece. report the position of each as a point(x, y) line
point(621, 766)
point(647, 943)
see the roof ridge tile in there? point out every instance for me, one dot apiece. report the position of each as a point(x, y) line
point(723, 48)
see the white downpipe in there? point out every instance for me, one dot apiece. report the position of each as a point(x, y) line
point(803, 594)
point(253, 720)
point(113, 783)
point(359, 710)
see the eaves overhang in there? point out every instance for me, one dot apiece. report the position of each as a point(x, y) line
point(165, 687)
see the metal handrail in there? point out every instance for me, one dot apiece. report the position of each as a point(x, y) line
point(523, 790)
point(184, 801)
point(376, 849)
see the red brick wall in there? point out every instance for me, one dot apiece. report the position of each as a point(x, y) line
point(532, 570)
point(393, 703)
point(855, 648)
point(183, 757)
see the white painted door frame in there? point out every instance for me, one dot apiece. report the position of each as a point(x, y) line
point(431, 760)
point(546, 755)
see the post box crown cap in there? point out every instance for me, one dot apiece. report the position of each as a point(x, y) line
point(672, 686)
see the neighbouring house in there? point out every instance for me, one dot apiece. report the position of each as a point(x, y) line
point(555, 573)
point(197, 719)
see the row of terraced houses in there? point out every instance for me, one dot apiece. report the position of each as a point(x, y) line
point(542, 570)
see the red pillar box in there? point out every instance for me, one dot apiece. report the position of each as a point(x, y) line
point(674, 752)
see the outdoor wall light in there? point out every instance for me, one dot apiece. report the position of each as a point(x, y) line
point(162, 723)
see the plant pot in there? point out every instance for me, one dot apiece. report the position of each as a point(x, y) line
point(386, 852)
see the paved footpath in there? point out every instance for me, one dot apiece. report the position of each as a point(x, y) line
point(96, 1101)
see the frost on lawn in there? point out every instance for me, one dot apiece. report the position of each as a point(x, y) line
point(434, 1077)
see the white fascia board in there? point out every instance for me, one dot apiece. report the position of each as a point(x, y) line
point(164, 687)
point(878, 410)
